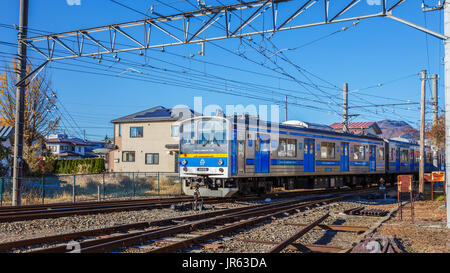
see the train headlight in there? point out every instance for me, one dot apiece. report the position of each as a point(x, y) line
point(220, 161)
point(184, 162)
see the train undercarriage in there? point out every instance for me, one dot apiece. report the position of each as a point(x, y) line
point(218, 187)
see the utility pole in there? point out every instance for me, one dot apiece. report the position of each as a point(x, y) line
point(345, 114)
point(422, 134)
point(20, 101)
point(285, 108)
point(435, 117)
point(447, 103)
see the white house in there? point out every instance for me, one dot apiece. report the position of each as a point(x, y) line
point(64, 147)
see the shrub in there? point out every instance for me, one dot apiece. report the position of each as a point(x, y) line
point(80, 166)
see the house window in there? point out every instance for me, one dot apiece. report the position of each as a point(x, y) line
point(120, 129)
point(152, 159)
point(359, 152)
point(175, 131)
point(327, 150)
point(128, 156)
point(136, 132)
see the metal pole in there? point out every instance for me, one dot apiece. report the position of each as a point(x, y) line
point(1, 191)
point(435, 117)
point(73, 190)
point(422, 135)
point(20, 98)
point(345, 114)
point(43, 190)
point(447, 103)
point(134, 186)
point(103, 186)
point(285, 108)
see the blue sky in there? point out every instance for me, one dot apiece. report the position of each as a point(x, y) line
point(374, 51)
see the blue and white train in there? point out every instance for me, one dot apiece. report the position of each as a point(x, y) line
point(241, 154)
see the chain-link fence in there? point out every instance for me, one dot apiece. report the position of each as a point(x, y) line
point(91, 187)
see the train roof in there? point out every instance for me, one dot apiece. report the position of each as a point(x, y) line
point(311, 130)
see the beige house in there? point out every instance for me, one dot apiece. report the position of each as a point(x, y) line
point(147, 141)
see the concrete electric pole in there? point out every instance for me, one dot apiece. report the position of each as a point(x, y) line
point(447, 103)
point(422, 134)
point(20, 101)
point(345, 107)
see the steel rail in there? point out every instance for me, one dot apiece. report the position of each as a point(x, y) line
point(70, 236)
point(298, 234)
point(75, 235)
point(240, 224)
point(52, 211)
point(40, 214)
point(170, 222)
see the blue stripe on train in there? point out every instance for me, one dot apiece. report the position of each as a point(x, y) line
point(203, 162)
point(335, 163)
point(359, 163)
point(286, 162)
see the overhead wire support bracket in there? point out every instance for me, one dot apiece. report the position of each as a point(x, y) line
point(212, 16)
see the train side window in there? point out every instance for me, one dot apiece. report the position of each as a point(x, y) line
point(327, 150)
point(392, 154)
point(282, 147)
point(359, 152)
point(380, 153)
point(291, 150)
point(257, 144)
point(405, 155)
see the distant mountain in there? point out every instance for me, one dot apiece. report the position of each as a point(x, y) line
point(395, 128)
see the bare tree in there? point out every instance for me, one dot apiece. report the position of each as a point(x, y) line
point(40, 118)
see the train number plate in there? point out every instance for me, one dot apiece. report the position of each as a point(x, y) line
point(202, 169)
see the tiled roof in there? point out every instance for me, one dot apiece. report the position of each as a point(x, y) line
point(158, 113)
point(5, 132)
point(65, 140)
point(353, 125)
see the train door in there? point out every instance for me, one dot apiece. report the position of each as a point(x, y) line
point(344, 157)
point(262, 154)
point(397, 159)
point(411, 160)
point(241, 152)
point(372, 158)
point(309, 152)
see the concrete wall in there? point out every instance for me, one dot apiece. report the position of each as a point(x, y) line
point(155, 137)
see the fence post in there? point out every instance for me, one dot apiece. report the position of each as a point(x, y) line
point(1, 191)
point(158, 184)
point(42, 190)
point(103, 186)
point(134, 186)
point(73, 190)
point(98, 193)
point(181, 184)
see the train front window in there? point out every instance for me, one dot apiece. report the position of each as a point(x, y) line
point(211, 132)
point(188, 133)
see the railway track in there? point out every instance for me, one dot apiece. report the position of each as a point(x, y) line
point(10, 214)
point(216, 222)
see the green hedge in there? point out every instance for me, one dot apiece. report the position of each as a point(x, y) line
point(80, 166)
